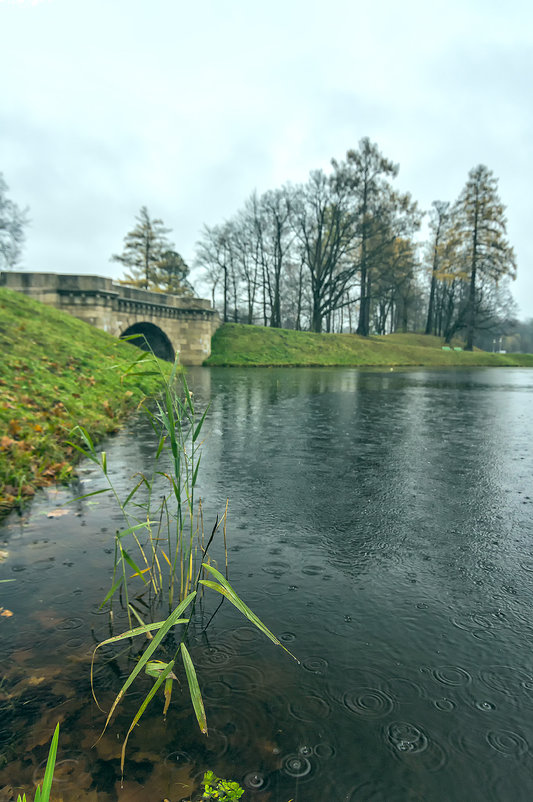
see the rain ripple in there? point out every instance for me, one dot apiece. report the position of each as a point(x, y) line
point(507, 743)
point(405, 737)
point(310, 708)
point(452, 675)
point(368, 703)
point(297, 766)
point(505, 679)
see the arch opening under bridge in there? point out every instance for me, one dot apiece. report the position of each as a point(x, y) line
point(151, 338)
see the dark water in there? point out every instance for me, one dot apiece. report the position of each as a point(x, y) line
point(381, 525)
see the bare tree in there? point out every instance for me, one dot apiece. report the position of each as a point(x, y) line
point(13, 223)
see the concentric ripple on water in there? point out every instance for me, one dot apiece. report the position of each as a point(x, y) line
point(309, 708)
point(507, 743)
point(255, 781)
point(452, 675)
point(368, 702)
point(297, 766)
point(316, 665)
point(405, 737)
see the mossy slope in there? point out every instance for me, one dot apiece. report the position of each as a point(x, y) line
point(238, 344)
point(55, 372)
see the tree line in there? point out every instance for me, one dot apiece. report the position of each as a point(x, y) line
point(341, 253)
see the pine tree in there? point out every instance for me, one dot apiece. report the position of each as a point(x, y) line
point(482, 228)
point(171, 273)
point(144, 247)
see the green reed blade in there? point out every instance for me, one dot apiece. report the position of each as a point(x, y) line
point(139, 619)
point(50, 764)
point(87, 495)
point(111, 592)
point(170, 622)
point(141, 481)
point(224, 587)
point(194, 689)
point(135, 337)
point(86, 437)
point(144, 373)
point(199, 426)
point(146, 701)
point(83, 451)
point(131, 529)
point(195, 474)
point(132, 633)
point(132, 564)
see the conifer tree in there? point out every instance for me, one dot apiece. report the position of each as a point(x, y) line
point(144, 247)
point(482, 229)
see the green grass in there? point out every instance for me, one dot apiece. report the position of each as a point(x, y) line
point(238, 344)
point(55, 372)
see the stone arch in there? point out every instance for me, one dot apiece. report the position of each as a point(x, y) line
point(151, 337)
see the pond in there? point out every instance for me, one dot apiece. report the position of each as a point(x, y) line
point(380, 523)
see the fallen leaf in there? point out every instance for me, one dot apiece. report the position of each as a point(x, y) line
point(56, 513)
point(5, 613)
point(14, 427)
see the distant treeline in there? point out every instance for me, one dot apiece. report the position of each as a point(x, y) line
point(342, 253)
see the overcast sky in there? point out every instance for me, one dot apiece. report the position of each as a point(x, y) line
point(186, 108)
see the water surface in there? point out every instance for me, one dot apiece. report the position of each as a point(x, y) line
point(380, 524)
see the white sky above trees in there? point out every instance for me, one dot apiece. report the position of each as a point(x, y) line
point(186, 108)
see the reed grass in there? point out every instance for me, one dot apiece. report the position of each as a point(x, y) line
point(42, 794)
point(163, 543)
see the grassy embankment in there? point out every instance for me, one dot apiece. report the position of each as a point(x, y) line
point(56, 372)
point(237, 344)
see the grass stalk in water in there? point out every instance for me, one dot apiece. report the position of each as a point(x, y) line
point(164, 540)
point(43, 794)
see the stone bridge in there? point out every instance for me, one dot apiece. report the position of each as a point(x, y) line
point(171, 324)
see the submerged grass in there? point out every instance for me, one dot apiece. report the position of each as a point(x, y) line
point(236, 344)
point(56, 371)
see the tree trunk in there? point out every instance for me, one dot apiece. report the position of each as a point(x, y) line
point(471, 317)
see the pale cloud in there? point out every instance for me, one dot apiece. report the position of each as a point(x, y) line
point(188, 109)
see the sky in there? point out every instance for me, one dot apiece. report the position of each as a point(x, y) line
point(187, 108)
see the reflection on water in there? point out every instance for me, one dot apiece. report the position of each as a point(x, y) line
point(380, 523)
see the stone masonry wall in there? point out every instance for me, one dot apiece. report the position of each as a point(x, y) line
point(189, 323)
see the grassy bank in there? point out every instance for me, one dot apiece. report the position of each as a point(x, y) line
point(56, 372)
point(237, 344)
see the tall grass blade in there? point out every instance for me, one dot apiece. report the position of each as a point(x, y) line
point(224, 587)
point(146, 701)
point(50, 765)
point(131, 633)
point(194, 689)
point(199, 426)
point(111, 592)
point(132, 564)
point(88, 495)
point(171, 621)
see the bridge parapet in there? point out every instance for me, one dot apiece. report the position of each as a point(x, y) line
point(188, 323)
